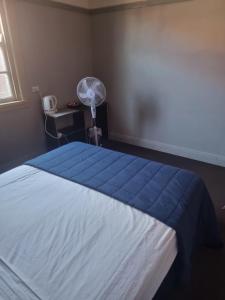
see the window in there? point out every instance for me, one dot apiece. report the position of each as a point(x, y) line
point(9, 86)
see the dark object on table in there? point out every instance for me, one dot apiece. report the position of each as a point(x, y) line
point(74, 105)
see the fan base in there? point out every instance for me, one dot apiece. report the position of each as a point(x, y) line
point(91, 136)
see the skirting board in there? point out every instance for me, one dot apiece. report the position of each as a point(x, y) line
point(206, 157)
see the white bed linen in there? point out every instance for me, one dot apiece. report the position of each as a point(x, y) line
point(60, 240)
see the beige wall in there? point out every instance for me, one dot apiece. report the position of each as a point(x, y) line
point(164, 68)
point(53, 51)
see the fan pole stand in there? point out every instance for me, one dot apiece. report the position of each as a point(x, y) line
point(95, 134)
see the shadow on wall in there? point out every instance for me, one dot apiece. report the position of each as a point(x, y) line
point(164, 66)
point(145, 113)
point(119, 65)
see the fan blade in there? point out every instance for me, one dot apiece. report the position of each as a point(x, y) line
point(83, 95)
point(100, 94)
point(85, 85)
point(95, 84)
point(99, 89)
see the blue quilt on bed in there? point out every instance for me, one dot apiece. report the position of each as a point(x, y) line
point(176, 197)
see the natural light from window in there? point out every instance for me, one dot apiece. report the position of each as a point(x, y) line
point(5, 85)
point(9, 87)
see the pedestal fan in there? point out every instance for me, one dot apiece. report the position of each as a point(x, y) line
point(92, 92)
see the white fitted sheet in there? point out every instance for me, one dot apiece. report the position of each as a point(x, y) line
point(60, 240)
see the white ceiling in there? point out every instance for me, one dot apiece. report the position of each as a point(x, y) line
point(92, 4)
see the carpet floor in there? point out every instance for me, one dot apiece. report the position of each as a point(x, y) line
point(208, 274)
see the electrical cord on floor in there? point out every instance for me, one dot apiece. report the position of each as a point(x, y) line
point(59, 135)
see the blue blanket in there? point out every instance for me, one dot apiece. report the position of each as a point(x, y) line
point(176, 197)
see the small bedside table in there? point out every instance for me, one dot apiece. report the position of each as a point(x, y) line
point(76, 132)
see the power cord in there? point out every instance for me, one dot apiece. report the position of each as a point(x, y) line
point(59, 134)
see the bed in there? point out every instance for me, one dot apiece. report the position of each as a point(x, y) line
point(84, 222)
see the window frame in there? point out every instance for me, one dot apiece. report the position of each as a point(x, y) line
point(11, 68)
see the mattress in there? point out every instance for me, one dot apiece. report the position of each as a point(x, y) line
point(176, 197)
point(62, 240)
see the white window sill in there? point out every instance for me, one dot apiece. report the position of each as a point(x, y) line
point(14, 105)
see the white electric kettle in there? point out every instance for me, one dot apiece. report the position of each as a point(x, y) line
point(49, 104)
